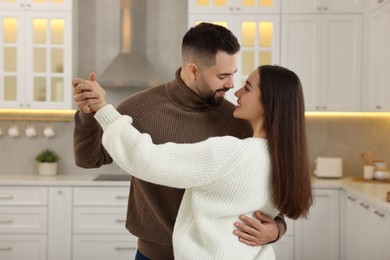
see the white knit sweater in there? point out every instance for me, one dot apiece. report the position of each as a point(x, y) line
point(223, 177)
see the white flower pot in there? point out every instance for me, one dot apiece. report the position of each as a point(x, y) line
point(47, 168)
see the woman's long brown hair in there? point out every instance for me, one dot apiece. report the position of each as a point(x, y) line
point(284, 124)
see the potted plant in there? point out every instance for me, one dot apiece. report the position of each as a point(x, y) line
point(47, 162)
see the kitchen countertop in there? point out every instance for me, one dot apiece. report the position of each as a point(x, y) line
point(372, 192)
point(57, 180)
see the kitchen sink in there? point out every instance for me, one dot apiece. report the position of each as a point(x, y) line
point(113, 177)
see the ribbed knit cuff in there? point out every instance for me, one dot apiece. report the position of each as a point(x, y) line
point(281, 223)
point(85, 119)
point(106, 115)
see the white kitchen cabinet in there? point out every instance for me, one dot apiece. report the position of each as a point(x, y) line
point(284, 248)
point(322, 6)
point(59, 223)
point(17, 247)
point(378, 89)
point(233, 6)
point(258, 35)
point(99, 217)
point(374, 4)
point(38, 5)
point(23, 223)
point(35, 54)
point(367, 230)
point(325, 50)
point(318, 236)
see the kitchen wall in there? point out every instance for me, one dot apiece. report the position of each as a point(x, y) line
point(98, 28)
point(331, 136)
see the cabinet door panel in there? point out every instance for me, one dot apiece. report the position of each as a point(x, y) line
point(301, 41)
point(379, 61)
point(318, 236)
point(105, 247)
point(17, 247)
point(341, 62)
point(11, 59)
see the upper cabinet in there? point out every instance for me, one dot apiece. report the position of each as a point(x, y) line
point(37, 5)
point(233, 6)
point(35, 54)
point(324, 48)
point(378, 89)
point(257, 34)
point(331, 6)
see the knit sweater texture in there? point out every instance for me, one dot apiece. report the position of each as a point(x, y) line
point(223, 177)
point(168, 113)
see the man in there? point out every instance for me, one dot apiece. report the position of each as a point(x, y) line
point(190, 108)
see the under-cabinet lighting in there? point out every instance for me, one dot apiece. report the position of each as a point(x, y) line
point(37, 114)
point(347, 114)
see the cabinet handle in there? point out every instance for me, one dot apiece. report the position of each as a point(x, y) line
point(318, 108)
point(364, 205)
point(351, 198)
point(378, 107)
point(125, 248)
point(5, 220)
point(379, 213)
point(120, 220)
point(238, 8)
point(4, 248)
point(380, 1)
point(231, 8)
point(319, 8)
point(325, 8)
point(3, 197)
point(323, 107)
point(122, 197)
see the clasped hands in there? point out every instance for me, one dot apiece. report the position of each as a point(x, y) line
point(88, 94)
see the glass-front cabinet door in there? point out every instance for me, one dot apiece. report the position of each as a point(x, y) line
point(49, 59)
point(35, 59)
point(11, 59)
point(234, 6)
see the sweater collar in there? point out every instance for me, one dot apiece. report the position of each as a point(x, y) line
point(184, 96)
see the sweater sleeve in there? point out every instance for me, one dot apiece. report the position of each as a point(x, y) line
point(169, 164)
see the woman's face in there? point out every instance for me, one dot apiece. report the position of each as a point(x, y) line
point(249, 106)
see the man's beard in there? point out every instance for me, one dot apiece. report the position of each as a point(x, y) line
point(214, 101)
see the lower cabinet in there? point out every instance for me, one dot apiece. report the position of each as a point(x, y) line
point(17, 247)
point(318, 236)
point(367, 230)
point(99, 217)
point(23, 223)
point(113, 247)
point(284, 248)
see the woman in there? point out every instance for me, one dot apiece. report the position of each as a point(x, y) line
point(225, 176)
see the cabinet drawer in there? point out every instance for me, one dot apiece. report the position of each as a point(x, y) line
point(106, 220)
point(16, 247)
point(100, 196)
point(104, 247)
point(23, 220)
point(26, 196)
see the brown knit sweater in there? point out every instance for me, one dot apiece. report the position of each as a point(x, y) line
point(169, 113)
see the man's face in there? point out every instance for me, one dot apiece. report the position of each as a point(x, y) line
point(215, 81)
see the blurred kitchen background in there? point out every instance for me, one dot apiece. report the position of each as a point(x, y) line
point(97, 40)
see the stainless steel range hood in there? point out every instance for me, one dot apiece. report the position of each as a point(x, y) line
point(131, 67)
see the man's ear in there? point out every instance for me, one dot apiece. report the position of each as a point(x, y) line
point(193, 70)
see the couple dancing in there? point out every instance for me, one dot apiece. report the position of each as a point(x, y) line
point(225, 161)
